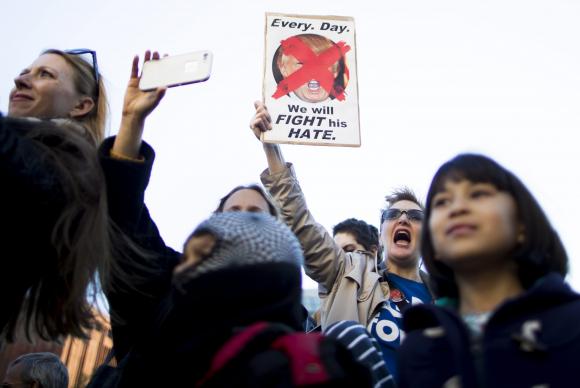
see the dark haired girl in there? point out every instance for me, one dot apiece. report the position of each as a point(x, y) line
point(505, 316)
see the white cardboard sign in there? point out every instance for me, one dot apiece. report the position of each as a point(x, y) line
point(310, 80)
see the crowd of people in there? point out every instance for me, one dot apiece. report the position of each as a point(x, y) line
point(491, 308)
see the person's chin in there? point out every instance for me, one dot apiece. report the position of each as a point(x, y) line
point(403, 255)
point(313, 96)
point(317, 97)
point(22, 109)
point(15, 112)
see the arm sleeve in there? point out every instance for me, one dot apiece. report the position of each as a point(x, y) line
point(135, 298)
point(322, 257)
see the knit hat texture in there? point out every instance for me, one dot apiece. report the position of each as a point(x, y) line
point(246, 239)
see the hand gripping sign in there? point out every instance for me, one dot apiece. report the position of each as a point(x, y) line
point(309, 91)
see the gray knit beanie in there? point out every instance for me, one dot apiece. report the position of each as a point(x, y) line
point(245, 239)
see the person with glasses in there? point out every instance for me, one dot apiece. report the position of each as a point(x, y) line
point(400, 235)
point(62, 85)
point(57, 235)
point(351, 285)
point(36, 370)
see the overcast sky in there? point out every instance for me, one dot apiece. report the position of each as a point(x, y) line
point(436, 78)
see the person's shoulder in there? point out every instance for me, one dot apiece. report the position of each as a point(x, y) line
point(426, 315)
point(546, 295)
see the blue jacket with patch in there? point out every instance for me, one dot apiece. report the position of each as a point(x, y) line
point(532, 340)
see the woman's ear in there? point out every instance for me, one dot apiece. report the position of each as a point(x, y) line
point(84, 105)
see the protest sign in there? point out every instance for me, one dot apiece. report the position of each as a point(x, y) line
point(310, 80)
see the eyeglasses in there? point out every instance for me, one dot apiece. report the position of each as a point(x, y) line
point(394, 214)
point(93, 53)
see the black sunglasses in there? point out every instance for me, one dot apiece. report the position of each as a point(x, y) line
point(394, 214)
point(93, 53)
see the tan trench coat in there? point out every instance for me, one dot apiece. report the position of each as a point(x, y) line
point(349, 283)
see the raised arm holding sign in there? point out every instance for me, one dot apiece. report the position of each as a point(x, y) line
point(344, 276)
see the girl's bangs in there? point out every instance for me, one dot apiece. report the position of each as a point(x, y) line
point(474, 168)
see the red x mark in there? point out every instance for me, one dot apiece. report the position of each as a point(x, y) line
point(313, 67)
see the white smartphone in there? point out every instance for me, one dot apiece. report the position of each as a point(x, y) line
point(176, 70)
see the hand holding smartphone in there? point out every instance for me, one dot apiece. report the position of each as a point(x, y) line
point(176, 70)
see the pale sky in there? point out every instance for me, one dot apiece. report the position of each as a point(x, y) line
point(436, 78)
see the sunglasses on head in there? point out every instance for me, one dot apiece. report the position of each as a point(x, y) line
point(394, 214)
point(93, 54)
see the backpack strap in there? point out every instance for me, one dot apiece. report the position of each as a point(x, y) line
point(235, 345)
point(303, 351)
point(255, 336)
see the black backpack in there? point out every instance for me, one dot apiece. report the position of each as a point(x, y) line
point(273, 355)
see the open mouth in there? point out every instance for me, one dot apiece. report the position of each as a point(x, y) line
point(402, 238)
point(313, 85)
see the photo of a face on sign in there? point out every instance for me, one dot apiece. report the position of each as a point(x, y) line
point(311, 67)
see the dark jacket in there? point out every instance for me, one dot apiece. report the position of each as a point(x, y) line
point(135, 301)
point(532, 340)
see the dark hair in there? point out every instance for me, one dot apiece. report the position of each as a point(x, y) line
point(43, 368)
point(81, 249)
point(541, 251)
point(273, 209)
point(365, 234)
